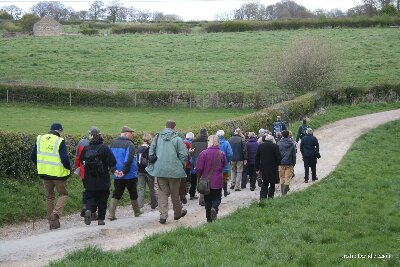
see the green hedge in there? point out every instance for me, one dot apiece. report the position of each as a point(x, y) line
point(293, 24)
point(101, 97)
point(15, 148)
point(151, 28)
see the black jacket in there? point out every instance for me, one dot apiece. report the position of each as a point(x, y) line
point(239, 148)
point(98, 179)
point(309, 146)
point(268, 159)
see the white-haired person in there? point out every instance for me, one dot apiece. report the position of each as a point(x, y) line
point(267, 162)
point(210, 163)
point(225, 147)
point(309, 148)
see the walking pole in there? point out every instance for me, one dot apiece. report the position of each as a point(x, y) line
point(37, 206)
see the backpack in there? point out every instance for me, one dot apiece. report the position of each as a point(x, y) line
point(93, 164)
point(143, 158)
point(277, 128)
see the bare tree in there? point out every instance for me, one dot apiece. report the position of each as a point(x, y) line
point(249, 11)
point(112, 9)
point(14, 11)
point(290, 9)
point(308, 63)
point(336, 13)
point(97, 10)
point(224, 16)
point(363, 10)
point(53, 9)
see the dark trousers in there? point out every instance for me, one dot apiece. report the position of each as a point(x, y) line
point(85, 201)
point(119, 188)
point(98, 199)
point(244, 176)
point(310, 162)
point(252, 173)
point(267, 189)
point(193, 184)
point(212, 200)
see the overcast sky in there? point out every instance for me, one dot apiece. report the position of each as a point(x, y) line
point(193, 9)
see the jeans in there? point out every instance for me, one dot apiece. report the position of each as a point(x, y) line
point(212, 200)
point(98, 199)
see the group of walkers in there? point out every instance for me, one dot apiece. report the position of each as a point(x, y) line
point(170, 164)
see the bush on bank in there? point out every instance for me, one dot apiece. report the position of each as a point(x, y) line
point(294, 24)
point(15, 148)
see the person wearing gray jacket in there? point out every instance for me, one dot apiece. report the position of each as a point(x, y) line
point(169, 168)
point(287, 148)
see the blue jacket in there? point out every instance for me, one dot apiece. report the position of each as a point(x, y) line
point(225, 147)
point(124, 153)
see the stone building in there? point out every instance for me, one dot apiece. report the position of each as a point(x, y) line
point(47, 26)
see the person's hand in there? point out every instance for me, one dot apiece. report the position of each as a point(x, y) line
point(245, 162)
point(258, 172)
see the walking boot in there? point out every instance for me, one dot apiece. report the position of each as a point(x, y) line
point(136, 209)
point(83, 210)
point(112, 208)
point(88, 217)
point(54, 221)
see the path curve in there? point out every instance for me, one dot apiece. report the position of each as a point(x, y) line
point(22, 246)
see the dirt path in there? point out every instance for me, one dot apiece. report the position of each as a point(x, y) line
point(21, 246)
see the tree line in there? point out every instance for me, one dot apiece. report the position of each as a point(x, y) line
point(117, 12)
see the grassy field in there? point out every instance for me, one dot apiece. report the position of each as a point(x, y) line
point(76, 120)
point(16, 194)
point(351, 213)
point(194, 62)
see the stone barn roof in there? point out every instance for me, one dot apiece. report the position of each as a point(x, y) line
point(47, 26)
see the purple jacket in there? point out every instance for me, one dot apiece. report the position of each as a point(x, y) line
point(252, 146)
point(204, 164)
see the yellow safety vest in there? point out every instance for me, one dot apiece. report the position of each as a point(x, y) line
point(48, 158)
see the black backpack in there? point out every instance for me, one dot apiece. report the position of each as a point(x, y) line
point(93, 164)
point(143, 158)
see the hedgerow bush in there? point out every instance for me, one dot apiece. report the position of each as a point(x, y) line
point(15, 148)
point(104, 97)
point(292, 24)
point(151, 28)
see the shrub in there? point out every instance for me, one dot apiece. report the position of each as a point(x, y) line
point(27, 21)
point(89, 31)
point(11, 27)
point(307, 64)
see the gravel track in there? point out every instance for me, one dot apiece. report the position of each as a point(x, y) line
point(20, 245)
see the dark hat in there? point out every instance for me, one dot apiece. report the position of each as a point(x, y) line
point(126, 129)
point(203, 131)
point(94, 131)
point(56, 127)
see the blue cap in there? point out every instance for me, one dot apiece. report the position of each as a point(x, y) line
point(56, 127)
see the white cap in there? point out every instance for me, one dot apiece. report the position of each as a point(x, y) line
point(190, 135)
point(220, 133)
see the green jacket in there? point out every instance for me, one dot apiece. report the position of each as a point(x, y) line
point(171, 154)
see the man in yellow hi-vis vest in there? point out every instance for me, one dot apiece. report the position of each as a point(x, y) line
point(51, 158)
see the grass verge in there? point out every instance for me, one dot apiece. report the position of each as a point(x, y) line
point(18, 200)
point(351, 214)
